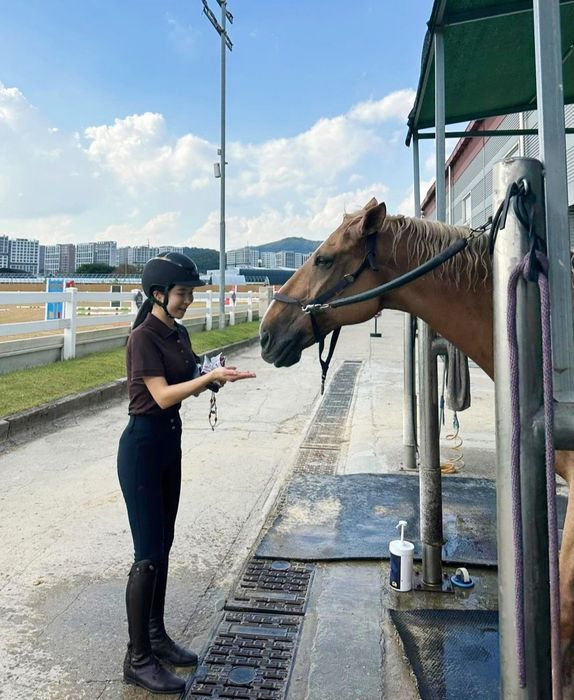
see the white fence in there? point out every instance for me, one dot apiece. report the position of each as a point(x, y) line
point(75, 304)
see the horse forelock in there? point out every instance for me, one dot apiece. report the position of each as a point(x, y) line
point(424, 238)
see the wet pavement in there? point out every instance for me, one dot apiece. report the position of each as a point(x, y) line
point(67, 548)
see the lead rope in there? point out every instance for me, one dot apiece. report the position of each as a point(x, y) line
point(525, 270)
point(212, 417)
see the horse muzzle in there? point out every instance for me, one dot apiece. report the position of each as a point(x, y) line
point(281, 353)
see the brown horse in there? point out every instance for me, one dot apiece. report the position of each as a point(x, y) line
point(461, 288)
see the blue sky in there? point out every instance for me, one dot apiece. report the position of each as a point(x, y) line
point(110, 117)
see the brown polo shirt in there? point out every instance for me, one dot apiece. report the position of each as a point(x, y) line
point(156, 350)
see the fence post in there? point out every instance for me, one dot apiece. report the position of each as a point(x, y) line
point(232, 301)
point(265, 298)
point(69, 349)
point(209, 310)
point(249, 306)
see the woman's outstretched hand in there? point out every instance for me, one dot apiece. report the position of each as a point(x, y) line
point(222, 375)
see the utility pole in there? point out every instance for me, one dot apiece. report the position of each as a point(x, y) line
point(220, 172)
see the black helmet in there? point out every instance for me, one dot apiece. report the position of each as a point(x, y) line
point(167, 270)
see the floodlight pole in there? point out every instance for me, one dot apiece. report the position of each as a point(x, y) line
point(225, 42)
point(222, 190)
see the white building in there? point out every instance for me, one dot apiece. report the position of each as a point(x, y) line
point(4, 251)
point(289, 259)
point(102, 252)
point(244, 257)
point(24, 255)
point(59, 259)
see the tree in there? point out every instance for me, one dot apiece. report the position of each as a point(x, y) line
point(128, 270)
point(204, 258)
point(94, 269)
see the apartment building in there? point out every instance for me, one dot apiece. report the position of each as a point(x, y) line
point(59, 259)
point(4, 251)
point(24, 255)
point(103, 252)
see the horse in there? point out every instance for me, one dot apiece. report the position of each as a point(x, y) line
point(459, 289)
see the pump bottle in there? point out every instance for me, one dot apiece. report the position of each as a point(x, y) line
point(402, 553)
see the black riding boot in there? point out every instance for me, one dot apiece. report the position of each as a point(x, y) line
point(141, 667)
point(161, 643)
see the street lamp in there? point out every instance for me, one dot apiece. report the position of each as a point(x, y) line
point(220, 171)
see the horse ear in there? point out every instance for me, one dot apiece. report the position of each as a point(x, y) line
point(370, 204)
point(373, 219)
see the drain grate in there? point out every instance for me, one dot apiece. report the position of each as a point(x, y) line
point(272, 586)
point(250, 657)
point(315, 461)
point(329, 421)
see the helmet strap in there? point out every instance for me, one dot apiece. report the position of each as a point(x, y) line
point(163, 304)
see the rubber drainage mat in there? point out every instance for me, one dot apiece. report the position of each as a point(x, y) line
point(272, 586)
point(354, 516)
point(453, 653)
point(250, 656)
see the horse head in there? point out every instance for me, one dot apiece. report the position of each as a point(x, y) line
point(344, 264)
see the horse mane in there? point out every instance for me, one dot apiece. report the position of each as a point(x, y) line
point(425, 238)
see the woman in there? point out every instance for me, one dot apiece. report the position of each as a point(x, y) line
point(162, 372)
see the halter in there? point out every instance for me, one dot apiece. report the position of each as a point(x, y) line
point(321, 302)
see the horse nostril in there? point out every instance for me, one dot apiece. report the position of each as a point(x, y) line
point(265, 339)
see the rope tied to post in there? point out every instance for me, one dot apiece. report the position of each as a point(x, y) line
point(532, 268)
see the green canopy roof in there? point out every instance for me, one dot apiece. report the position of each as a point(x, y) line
point(489, 60)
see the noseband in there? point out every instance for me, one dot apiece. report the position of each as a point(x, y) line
point(322, 302)
point(319, 303)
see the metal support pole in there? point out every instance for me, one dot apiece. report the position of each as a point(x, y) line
point(550, 100)
point(511, 246)
point(223, 4)
point(409, 394)
point(430, 475)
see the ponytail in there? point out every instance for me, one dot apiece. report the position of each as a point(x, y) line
point(144, 310)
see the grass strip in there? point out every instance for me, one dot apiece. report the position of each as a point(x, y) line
point(36, 386)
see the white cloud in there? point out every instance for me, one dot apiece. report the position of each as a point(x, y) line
point(133, 180)
point(43, 171)
point(407, 205)
point(397, 105)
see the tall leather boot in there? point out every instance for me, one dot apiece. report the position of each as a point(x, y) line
point(141, 667)
point(162, 644)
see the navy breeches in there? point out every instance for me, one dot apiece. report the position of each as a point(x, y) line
point(149, 470)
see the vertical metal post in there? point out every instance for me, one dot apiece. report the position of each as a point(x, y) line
point(551, 129)
point(430, 475)
point(409, 396)
point(511, 246)
point(223, 4)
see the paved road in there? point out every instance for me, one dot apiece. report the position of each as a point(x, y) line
point(66, 547)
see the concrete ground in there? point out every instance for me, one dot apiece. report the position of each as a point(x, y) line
point(67, 547)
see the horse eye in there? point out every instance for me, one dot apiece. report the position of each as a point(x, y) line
point(321, 260)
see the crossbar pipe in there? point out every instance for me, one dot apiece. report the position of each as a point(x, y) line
point(486, 132)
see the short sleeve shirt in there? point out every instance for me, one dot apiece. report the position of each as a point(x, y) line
point(156, 350)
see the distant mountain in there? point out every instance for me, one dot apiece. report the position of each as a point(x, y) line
point(208, 259)
point(204, 258)
point(298, 245)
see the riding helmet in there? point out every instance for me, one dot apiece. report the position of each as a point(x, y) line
point(167, 270)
